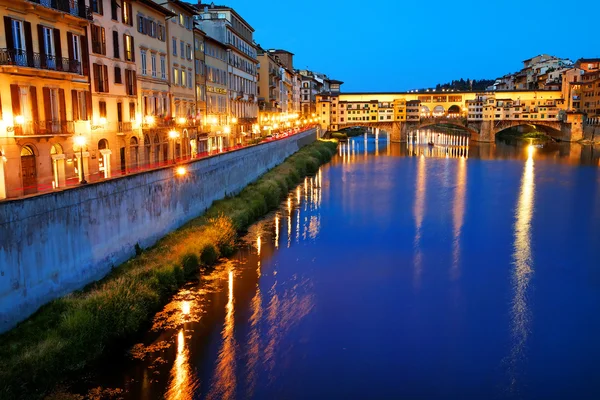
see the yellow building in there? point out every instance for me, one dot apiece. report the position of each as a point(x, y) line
point(217, 94)
point(200, 145)
point(44, 95)
point(339, 110)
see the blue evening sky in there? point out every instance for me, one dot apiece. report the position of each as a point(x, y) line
point(393, 45)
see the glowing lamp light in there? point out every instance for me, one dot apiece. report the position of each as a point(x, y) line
point(181, 171)
point(276, 126)
point(234, 120)
point(173, 134)
point(182, 120)
point(213, 120)
point(150, 119)
point(227, 130)
point(80, 140)
point(102, 121)
point(19, 119)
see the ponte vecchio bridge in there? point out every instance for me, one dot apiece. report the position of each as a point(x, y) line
point(481, 114)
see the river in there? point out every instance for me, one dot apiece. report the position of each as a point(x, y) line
point(398, 271)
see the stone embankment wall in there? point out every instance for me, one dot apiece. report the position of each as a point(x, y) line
point(53, 244)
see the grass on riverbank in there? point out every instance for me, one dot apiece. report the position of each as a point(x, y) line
point(69, 333)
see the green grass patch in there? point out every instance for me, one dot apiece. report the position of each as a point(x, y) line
point(69, 333)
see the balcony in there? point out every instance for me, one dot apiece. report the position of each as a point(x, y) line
point(22, 58)
point(123, 127)
point(66, 6)
point(45, 128)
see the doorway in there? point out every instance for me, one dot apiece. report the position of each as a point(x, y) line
point(28, 170)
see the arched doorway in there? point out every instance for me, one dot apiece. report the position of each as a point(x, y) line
point(133, 152)
point(156, 149)
point(28, 170)
point(425, 112)
point(58, 166)
point(147, 150)
point(122, 156)
point(104, 159)
point(438, 111)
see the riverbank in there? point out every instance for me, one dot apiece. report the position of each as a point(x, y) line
point(69, 333)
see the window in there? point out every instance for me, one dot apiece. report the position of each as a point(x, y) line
point(183, 78)
point(190, 55)
point(132, 111)
point(182, 47)
point(130, 82)
point(116, 44)
point(75, 47)
point(143, 61)
point(97, 6)
point(174, 46)
point(100, 78)
point(189, 79)
point(98, 40)
point(175, 76)
point(102, 109)
point(141, 24)
point(79, 102)
point(163, 68)
point(118, 75)
point(113, 9)
point(161, 33)
point(127, 15)
point(153, 64)
point(181, 20)
point(128, 48)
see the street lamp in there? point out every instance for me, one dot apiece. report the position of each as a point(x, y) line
point(173, 135)
point(80, 141)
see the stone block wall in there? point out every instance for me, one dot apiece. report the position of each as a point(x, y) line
point(53, 244)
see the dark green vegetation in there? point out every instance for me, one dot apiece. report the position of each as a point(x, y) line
point(68, 334)
point(519, 134)
point(463, 85)
point(344, 134)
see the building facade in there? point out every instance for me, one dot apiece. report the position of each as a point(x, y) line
point(228, 27)
point(45, 100)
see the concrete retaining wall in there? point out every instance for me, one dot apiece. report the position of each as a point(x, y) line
point(53, 244)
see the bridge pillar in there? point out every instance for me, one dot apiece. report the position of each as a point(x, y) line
point(486, 132)
point(398, 133)
point(573, 129)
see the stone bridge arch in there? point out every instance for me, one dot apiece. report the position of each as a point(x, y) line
point(552, 128)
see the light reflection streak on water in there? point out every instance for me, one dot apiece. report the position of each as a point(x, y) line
point(289, 222)
point(183, 382)
point(419, 213)
point(225, 381)
point(523, 267)
point(254, 336)
point(458, 215)
point(277, 230)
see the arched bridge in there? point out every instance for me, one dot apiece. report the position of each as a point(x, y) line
point(484, 131)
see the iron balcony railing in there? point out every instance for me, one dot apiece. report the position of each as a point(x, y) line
point(44, 128)
point(124, 127)
point(30, 59)
point(71, 7)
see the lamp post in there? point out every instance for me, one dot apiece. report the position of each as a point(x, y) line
point(80, 141)
point(173, 135)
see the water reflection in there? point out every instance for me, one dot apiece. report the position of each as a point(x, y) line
point(433, 144)
point(225, 379)
point(458, 216)
point(183, 382)
point(419, 214)
point(523, 267)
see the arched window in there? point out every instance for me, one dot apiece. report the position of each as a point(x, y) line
point(147, 149)
point(156, 149)
point(103, 144)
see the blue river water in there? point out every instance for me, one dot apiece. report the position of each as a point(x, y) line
point(398, 271)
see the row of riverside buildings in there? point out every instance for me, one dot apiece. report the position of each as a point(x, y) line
point(547, 88)
point(94, 89)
